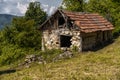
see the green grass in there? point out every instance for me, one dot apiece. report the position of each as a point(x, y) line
point(103, 64)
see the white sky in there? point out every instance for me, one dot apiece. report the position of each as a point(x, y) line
point(19, 7)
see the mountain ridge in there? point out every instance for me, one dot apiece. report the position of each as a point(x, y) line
point(5, 19)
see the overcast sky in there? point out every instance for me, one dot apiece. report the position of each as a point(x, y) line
point(19, 7)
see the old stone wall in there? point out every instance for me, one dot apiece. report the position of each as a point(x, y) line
point(51, 40)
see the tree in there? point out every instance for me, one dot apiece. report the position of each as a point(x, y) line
point(21, 37)
point(99, 6)
point(74, 5)
point(35, 12)
point(22, 31)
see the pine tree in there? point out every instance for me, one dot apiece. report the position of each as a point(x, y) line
point(35, 12)
point(74, 5)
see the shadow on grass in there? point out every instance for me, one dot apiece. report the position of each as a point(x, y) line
point(7, 71)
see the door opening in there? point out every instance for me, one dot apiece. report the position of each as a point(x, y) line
point(65, 41)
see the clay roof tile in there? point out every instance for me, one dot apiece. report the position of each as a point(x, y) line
point(89, 22)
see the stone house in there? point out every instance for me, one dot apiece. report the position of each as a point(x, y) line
point(69, 30)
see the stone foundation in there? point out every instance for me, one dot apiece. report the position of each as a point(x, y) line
point(51, 40)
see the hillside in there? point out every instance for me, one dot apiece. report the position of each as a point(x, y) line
point(5, 19)
point(103, 64)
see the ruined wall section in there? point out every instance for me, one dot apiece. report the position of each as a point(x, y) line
point(51, 40)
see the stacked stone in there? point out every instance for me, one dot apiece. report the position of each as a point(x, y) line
point(54, 40)
point(64, 55)
point(30, 58)
point(76, 41)
point(45, 39)
point(66, 32)
point(33, 58)
point(51, 40)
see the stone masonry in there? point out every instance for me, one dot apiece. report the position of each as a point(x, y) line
point(51, 39)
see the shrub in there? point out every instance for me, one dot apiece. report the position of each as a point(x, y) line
point(48, 55)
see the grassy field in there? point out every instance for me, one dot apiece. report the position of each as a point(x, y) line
point(103, 64)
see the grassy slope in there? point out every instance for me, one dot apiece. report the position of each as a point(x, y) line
point(103, 64)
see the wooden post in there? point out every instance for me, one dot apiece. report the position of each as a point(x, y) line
point(80, 44)
point(43, 46)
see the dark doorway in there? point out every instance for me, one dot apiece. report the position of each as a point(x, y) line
point(65, 41)
point(61, 21)
point(103, 36)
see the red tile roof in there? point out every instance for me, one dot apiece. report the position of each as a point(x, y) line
point(89, 22)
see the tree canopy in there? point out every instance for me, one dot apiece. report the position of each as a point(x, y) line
point(35, 12)
point(74, 5)
point(22, 31)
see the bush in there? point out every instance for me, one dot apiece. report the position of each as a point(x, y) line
point(22, 33)
point(48, 55)
point(116, 32)
point(13, 53)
